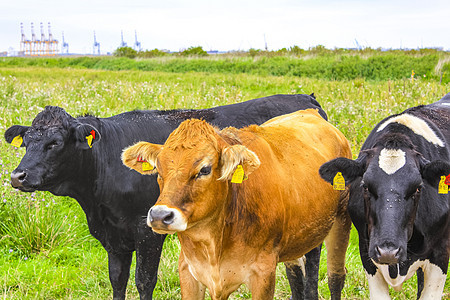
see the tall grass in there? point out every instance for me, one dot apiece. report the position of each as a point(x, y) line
point(39, 226)
point(44, 255)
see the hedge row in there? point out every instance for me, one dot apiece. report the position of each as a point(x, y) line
point(339, 67)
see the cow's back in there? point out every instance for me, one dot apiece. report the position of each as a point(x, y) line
point(445, 100)
point(310, 132)
point(262, 109)
point(426, 126)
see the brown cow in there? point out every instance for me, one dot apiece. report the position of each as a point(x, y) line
point(235, 233)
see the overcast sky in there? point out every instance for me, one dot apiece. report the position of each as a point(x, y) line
point(230, 24)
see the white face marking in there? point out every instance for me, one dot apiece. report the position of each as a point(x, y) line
point(391, 160)
point(417, 125)
point(445, 103)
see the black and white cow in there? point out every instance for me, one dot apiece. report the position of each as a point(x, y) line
point(81, 158)
point(399, 202)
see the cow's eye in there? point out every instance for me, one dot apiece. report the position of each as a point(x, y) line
point(204, 171)
point(419, 189)
point(416, 191)
point(365, 188)
point(52, 145)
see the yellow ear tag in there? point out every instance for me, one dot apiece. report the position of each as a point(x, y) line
point(238, 175)
point(339, 182)
point(443, 188)
point(146, 166)
point(17, 141)
point(89, 140)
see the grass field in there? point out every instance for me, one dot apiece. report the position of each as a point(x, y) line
point(46, 251)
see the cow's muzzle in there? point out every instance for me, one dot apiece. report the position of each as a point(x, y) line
point(163, 218)
point(18, 178)
point(387, 255)
point(161, 214)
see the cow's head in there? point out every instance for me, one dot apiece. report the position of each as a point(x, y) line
point(392, 178)
point(52, 143)
point(194, 168)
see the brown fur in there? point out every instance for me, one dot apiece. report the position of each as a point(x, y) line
point(237, 232)
point(189, 134)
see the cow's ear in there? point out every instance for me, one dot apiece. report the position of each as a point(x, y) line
point(233, 156)
point(14, 135)
point(350, 169)
point(86, 135)
point(432, 171)
point(141, 157)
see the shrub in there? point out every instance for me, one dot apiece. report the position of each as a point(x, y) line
point(253, 52)
point(151, 53)
point(125, 52)
point(296, 50)
point(194, 51)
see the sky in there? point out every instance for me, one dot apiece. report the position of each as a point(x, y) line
point(227, 25)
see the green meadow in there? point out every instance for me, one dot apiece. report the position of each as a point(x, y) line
point(46, 251)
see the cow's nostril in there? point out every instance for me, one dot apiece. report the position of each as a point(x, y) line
point(161, 214)
point(168, 219)
point(17, 178)
point(387, 255)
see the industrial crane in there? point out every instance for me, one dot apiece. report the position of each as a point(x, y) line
point(137, 45)
point(42, 43)
point(64, 46)
point(35, 47)
point(122, 43)
point(25, 44)
point(52, 44)
point(96, 46)
point(34, 42)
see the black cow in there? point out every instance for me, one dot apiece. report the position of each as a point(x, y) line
point(399, 202)
point(59, 159)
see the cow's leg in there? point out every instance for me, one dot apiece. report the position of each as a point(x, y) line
point(420, 282)
point(262, 284)
point(303, 275)
point(312, 273)
point(378, 287)
point(435, 273)
point(296, 274)
point(148, 254)
point(434, 282)
point(191, 289)
point(336, 243)
point(119, 272)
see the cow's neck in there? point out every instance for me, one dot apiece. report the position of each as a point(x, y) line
point(203, 251)
point(207, 235)
point(82, 187)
